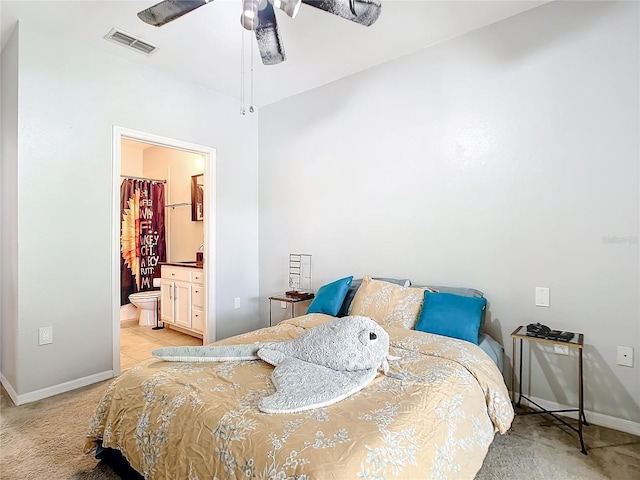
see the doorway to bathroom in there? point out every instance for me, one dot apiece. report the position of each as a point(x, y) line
point(163, 219)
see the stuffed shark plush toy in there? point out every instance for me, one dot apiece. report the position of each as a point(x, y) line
point(322, 366)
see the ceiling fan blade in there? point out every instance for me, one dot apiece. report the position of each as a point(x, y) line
point(169, 10)
point(268, 37)
point(364, 12)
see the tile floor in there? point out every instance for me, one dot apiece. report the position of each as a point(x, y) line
point(137, 343)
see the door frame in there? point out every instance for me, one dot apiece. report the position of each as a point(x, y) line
point(209, 155)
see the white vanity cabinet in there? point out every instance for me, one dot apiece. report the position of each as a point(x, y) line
point(182, 299)
point(197, 302)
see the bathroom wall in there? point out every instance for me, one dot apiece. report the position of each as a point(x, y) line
point(184, 236)
point(131, 158)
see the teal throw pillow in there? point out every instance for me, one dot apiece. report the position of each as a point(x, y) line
point(329, 298)
point(451, 315)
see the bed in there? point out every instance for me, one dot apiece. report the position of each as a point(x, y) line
point(193, 420)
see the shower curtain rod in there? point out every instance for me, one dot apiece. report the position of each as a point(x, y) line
point(174, 205)
point(143, 178)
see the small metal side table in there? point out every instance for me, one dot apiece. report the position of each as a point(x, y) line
point(290, 300)
point(576, 342)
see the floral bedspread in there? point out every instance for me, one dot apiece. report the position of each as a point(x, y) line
point(201, 421)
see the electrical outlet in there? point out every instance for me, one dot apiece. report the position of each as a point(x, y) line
point(45, 335)
point(283, 304)
point(237, 302)
point(625, 356)
point(561, 349)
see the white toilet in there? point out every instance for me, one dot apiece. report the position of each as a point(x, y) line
point(147, 303)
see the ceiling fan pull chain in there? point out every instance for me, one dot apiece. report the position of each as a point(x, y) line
point(251, 110)
point(242, 74)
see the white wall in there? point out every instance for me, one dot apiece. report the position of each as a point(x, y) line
point(502, 160)
point(9, 223)
point(70, 98)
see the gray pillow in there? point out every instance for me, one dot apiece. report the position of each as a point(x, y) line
point(465, 292)
point(355, 285)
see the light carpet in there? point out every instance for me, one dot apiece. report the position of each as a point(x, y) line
point(44, 440)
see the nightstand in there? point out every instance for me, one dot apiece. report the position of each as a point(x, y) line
point(576, 342)
point(290, 300)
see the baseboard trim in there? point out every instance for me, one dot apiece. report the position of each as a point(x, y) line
point(615, 423)
point(9, 388)
point(54, 389)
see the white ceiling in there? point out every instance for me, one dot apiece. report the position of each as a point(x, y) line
point(204, 46)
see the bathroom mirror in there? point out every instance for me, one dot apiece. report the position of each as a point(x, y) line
point(197, 197)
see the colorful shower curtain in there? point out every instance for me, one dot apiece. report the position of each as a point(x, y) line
point(142, 237)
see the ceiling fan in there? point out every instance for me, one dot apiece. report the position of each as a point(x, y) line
point(259, 16)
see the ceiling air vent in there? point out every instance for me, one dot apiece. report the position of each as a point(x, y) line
point(128, 40)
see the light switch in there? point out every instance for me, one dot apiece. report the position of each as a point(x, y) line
point(542, 296)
